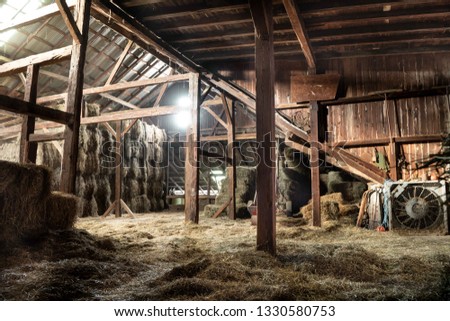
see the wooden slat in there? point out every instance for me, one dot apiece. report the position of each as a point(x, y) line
point(34, 16)
point(131, 114)
point(265, 124)
point(74, 98)
point(42, 59)
point(28, 150)
point(300, 30)
point(26, 108)
point(191, 208)
point(119, 86)
point(69, 20)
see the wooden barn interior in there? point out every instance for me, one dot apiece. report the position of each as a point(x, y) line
point(224, 149)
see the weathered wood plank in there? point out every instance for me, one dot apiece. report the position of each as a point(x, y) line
point(46, 137)
point(28, 149)
point(231, 167)
point(74, 98)
point(314, 87)
point(42, 59)
point(215, 116)
point(265, 124)
point(131, 114)
point(191, 207)
point(300, 30)
point(27, 108)
point(314, 164)
point(119, 86)
point(69, 20)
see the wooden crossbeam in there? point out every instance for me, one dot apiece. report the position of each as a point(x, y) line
point(46, 137)
point(34, 16)
point(300, 30)
point(42, 59)
point(119, 86)
point(34, 110)
point(69, 20)
point(131, 114)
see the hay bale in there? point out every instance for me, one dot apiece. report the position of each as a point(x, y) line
point(332, 207)
point(103, 193)
point(62, 210)
point(140, 204)
point(23, 192)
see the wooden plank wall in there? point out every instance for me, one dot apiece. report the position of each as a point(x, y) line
point(417, 116)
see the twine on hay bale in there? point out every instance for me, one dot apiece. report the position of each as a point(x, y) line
point(62, 210)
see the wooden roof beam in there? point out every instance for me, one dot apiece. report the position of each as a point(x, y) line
point(300, 30)
point(69, 20)
point(112, 16)
point(131, 114)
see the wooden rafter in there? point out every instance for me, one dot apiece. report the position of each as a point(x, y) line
point(119, 62)
point(69, 20)
point(216, 117)
point(300, 30)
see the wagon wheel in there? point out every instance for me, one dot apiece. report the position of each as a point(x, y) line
point(417, 208)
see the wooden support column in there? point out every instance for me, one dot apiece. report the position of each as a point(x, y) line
point(74, 97)
point(118, 165)
point(314, 163)
point(231, 168)
point(265, 124)
point(191, 210)
point(393, 148)
point(28, 150)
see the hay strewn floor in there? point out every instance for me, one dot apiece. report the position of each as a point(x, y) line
point(158, 257)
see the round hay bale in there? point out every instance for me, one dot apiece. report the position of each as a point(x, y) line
point(62, 210)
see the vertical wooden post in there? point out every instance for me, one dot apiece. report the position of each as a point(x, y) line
point(74, 97)
point(28, 150)
point(265, 124)
point(209, 187)
point(231, 168)
point(118, 164)
point(191, 211)
point(314, 163)
point(393, 150)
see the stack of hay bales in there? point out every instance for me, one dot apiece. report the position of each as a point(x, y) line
point(144, 168)
point(245, 191)
point(88, 166)
point(105, 178)
point(27, 207)
point(338, 182)
point(333, 207)
point(48, 155)
point(9, 150)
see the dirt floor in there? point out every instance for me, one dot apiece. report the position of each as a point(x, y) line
point(159, 257)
